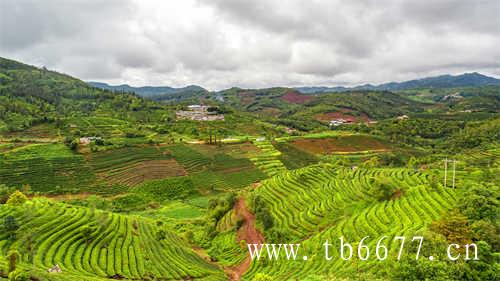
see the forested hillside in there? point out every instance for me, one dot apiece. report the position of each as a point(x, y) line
point(31, 96)
point(160, 93)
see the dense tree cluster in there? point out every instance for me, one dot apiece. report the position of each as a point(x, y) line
point(30, 96)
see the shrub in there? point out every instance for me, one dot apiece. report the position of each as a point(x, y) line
point(218, 213)
point(373, 162)
point(454, 226)
point(19, 275)
point(239, 223)
point(261, 212)
point(382, 189)
point(481, 202)
point(5, 192)
point(71, 143)
point(12, 256)
point(161, 235)
point(17, 198)
point(276, 235)
point(99, 142)
point(87, 233)
point(10, 224)
point(265, 217)
point(189, 236)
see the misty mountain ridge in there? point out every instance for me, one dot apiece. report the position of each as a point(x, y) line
point(473, 79)
point(149, 91)
point(442, 81)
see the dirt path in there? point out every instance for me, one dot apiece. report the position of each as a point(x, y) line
point(247, 232)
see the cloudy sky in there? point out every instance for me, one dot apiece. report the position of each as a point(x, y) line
point(223, 43)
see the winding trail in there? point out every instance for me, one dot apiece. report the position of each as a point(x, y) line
point(247, 232)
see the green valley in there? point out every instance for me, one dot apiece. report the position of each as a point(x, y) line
point(101, 184)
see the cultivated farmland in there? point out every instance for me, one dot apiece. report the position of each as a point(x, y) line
point(133, 165)
point(49, 168)
point(93, 244)
point(341, 144)
point(268, 159)
point(324, 203)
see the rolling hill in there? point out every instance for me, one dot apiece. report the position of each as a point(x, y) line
point(443, 81)
point(157, 93)
point(31, 95)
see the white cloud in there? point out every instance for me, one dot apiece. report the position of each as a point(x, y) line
point(262, 43)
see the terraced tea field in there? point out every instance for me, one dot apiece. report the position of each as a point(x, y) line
point(320, 203)
point(294, 158)
point(226, 249)
point(307, 205)
point(50, 168)
point(38, 132)
point(341, 144)
point(190, 159)
point(95, 245)
point(268, 159)
point(133, 165)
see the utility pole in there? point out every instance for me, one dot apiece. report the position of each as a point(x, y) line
point(454, 165)
point(445, 170)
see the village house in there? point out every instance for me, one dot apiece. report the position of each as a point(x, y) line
point(87, 140)
point(198, 112)
point(339, 121)
point(55, 269)
point(198, 108)
point(456, 95)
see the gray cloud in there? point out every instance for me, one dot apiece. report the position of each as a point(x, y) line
point(261, 43)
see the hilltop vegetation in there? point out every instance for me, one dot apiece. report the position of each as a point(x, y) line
point(156, 93)
point(31, 96)
point(438, 82)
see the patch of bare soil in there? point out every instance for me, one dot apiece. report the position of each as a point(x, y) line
point(294, 97)
point(340, 144)
point(397, 194)
point(247, 232)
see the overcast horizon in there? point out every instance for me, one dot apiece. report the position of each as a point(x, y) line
point(219, 44)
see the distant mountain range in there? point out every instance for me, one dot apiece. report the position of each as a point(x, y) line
point(150, 91)
point(443, 81)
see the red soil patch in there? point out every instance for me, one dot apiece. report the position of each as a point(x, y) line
point(341, 144)
point(247, 232)
point(294, 97)
point(256, 184)
point(396, 194)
